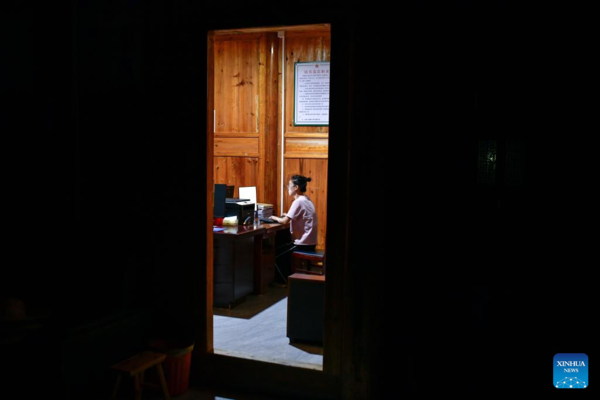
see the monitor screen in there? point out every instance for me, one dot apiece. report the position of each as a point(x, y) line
point(249, 192)
point(230, 189)
point(220, 193)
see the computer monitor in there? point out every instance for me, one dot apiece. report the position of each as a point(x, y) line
point(220, 192)
point(230, 189)
point(249, 192)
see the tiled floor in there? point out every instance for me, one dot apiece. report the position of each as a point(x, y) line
point(256, 329)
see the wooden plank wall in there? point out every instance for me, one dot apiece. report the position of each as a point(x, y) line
point(306, 147)
point(240, 108)
point(247, 119)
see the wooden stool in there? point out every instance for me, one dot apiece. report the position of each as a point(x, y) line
point(136, 366)
point(304, 261)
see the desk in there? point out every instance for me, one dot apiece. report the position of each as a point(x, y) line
point(243, 261)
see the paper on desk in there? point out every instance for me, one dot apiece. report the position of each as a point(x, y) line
point(230, 221)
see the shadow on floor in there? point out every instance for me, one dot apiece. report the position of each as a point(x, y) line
point(254, 304)
point(309, 348)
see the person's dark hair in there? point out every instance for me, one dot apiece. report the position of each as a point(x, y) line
point(301, 181)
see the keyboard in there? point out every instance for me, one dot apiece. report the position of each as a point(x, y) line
point(268, 221)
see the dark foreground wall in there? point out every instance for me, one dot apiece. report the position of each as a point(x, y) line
point(104, 125)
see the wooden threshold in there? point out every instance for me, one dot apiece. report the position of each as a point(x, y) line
point(263, 377)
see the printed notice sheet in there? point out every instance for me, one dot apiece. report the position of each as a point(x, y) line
point(311, 100)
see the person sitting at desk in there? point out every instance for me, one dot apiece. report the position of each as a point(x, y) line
point(303, 217)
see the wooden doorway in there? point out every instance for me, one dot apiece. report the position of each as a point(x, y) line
point(248, 149)
point(258, 143)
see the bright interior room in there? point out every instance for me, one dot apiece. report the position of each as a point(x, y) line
point(268, 108)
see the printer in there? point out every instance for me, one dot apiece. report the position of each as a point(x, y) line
point(243, 209)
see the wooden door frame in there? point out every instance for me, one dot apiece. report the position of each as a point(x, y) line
point(326, 383)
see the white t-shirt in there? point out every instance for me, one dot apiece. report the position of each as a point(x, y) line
point(304, 221)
